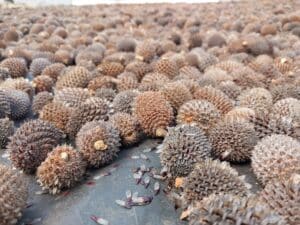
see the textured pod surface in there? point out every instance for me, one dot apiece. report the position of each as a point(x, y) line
point(128, 128)
point(183, 146)
point(14, 193)
point(99, 142)
point(283, 196)
point(166, 67)
point(62, 169)
point(216, 97)
point(102, 82)
point(232, 210)
point(5, 109)
point(288, 107)
point(53, 70)
point(20, 83)
point(31, 143)
point(106, 93)
point(43, 83)
point(38, 65)
point(16, 66)
point(139, 69)
point(123, 102)
point(19, 103)
point(40, 100)
point(146, 50)
point(71, 97)
point(212, 177)
point(153, 112)
point(200, 113)
point(112, 69)
point(77, 76)
point(6, 130)
point(92, 109)
point(275, 156)
point(233, 140)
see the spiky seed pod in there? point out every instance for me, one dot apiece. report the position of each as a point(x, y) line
point(201, 113)
point(216, 39)
point(258, 99)
point(11, 35)
point(191, 85)
point(216, 97)
point(5, 109)
point(19, 84)
point(6, 130)
point(284, 65)
point(139, 69)
point(283, 91)
point(217, 74)
point(16, 66)
point(102, 82)
point(112, 69)
point(43, 83)
point(4, 74)
point(248, 78)
point(19, 103)
point(128, 128)
point(53, 70)
point(40, 100)
point(106, 93)
point(261, 64)
point(258, 45)
point(283, 196)
point(92, 109)
point(166, 67)
point(153, 112)
point(146, 50)
point(239, 113)
point(155, 80)
point(127, 82)
point(194, 40)
point(288, 107)
point(14, 193)
point(212, 177)
point(233, 210)
point(38, 65)
point(31, 143)
point(233, 140)
point(189, 72)
point(57, 114)
point(183, 146)
point(176, 93)
point(230, 89)
point(71, 97)
point(123, 101)
point(99, 142)
point(62, 169)
point(64, 56)
point(275, 156)
point(229, 65)
point(206, 60)
point(126, 45)
point(78, 76)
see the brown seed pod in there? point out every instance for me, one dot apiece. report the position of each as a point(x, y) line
point(92, 109)
point(16, 66)
point(216, 39)
point(216, 97)
point(4, 74)
point(31, 143)
point(38, 65)
point(62, 169)
point(258, 45)
point(112, 69)
point(231, 209)
point(146, 50)
point(75, 77)
point(230, 89)
point(283, 91)
point(5, 109)
point(6, 130)
point(54, 70)
point(128, 128)
point(153, 112)
point(102, 82)
point(229, 65)
point(106, 93)
point(154, 81)
point(99, 142)
point(194, 40)
point(189, 72)
point(166, 67)
point(182, 148)
point(18, 84)
point(240, 114)
point(217, 74)
point(127, 81)
point(123, 101)
point(233, 140)
point(19, 103)
point(126, 45)
point(212, 177)
point(176, 93)
point(40, 100)
point(275, 156)
point(139, 68)
point(43, 83)
point(283, 197)
point(288, 107)
point(11, 35)
point(14, 194)
point(71, 97)
point(268, 29)
point(201, 113)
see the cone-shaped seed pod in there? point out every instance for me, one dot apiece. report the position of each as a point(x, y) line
point(99, 142)
point(38, 65)
point(53, 70)
point(189, 72)
point(19, 103)
point(240, 114)
point(288, 107)
point(128, 128)
point(14, 193)
point(71, 97)
point(19, 84)
point(40, 100)
point(212, 177)
point(176, 93)
point(126, 45)
point(106, 93)
point(217, 74)
point(231, 209)
point(78, 76)
point(146, 50)
point(123, 101)
point(183, 146)
point(139, 69)
point(154, 81)
point(57, 114)
point(229, 65)
point(216, 97)
point(43, 83)
point(201, 113)
point(166, 67)
point(5, 109)
point(233, 140)
point(284, 65)
point(154, 113)
point(230, 89)
point(127, 81)
point(258, 45)
point(102, 82)
point(16, 66)
point(31, 143)
point(275, 156)
point(112, 69)
point(6, 130)
point(11, 35)
point(62, 169)
point(4, 74)
point(283, 91)
point(92, 109)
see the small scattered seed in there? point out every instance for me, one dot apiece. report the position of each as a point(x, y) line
point(128, 195)
point(147, 182)
point(123, 204)
point(99, 220)
point(156, 188)
point(43, 192)
point(138, 177)
point(143, 156)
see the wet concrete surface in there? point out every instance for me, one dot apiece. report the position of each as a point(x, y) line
point(97, 197)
